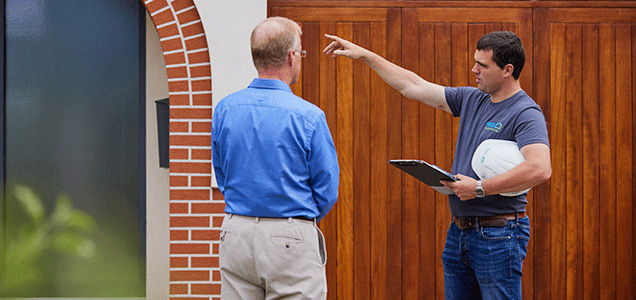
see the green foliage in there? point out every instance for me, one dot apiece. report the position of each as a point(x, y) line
point(66, 231)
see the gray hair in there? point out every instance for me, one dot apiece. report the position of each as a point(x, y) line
point(272, 40)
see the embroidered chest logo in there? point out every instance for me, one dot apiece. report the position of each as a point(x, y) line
point(494, 126)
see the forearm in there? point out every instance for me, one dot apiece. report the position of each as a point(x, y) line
point(522, 177)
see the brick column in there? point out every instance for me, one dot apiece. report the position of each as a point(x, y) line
point(195, 217)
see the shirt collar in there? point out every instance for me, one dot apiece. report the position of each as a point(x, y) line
point(270, 84)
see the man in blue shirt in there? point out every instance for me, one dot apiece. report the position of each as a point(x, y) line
point(488, 237)
point(276, 165)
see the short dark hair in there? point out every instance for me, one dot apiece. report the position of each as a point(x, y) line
point(506, 49)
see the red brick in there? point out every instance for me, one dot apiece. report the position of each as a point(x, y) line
point(189, 275)
point(217, 222)
point(189, 249)
point(175, 58)
point(217, 195)
point(202, 99)
point(181, 4)
point(200, 71)
point(216, 276)
point(207, 208)
point(177, 72)
point(205, 262)
point(155, 5)
point(196, 43)
point(201, 180)
point(205, 289)
point(178, 180)
point(191, 167)
point(189, 195)
point(163, 17)
point(190, 140)
point(190, 113)
point(189, 222)
point(168, 31)
point(179, 153)
point(179, 86)
point(202, 154)
point(201, 127)
point(179, 99)
point(176, 289)
point(199, 57)
point(179, 127)
point(205, 235)
point(171, 44)
point(215, 249)
point(188, 16)
point(179, 235)
point(202, 85)
point(192, 29)
point(179, 208)
point(178, 262)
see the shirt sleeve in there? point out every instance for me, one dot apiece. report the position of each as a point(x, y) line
point(216, 159)
point(323, 167)
point(531, 128)
point(454, 97)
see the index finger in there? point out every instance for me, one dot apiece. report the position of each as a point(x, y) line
point(335, 38)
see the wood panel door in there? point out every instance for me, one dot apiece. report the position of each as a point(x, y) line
point(585, 232)
point(364, 230)
point(438, 44)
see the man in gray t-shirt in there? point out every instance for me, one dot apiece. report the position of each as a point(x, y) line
point(518, 119)
point(488, 237)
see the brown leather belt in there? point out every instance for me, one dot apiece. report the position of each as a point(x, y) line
point(493, 221)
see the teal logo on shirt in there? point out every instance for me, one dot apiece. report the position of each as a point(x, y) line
point(494, 126)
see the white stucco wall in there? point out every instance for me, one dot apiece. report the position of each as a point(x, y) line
point(228, 25)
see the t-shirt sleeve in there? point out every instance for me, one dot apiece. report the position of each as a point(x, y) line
point(454, 99)
point(531, 128)
point(457, 97)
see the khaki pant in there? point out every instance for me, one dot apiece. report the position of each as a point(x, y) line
point(272, 258)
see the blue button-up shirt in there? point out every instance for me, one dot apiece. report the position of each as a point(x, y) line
point(273, 154)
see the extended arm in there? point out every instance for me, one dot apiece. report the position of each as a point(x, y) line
point(406, 82)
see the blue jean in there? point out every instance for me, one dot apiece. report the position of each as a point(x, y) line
point(485, 262)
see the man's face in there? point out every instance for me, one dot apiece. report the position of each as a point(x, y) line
point(489, 75)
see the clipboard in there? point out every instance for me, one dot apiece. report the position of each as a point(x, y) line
point(425, 172)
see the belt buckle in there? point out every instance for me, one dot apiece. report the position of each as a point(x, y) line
point(466, 223)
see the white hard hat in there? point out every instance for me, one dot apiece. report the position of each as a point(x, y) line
point(494, 157)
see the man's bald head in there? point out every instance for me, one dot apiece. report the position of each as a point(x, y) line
point(272, 40)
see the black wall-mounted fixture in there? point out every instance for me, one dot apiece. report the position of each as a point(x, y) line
point(163, 130)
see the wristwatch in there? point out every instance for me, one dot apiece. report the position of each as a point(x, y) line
point(479, 190)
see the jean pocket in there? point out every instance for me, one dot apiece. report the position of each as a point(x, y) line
point(495, 233)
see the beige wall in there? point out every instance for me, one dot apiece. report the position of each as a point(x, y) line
point(157, 179)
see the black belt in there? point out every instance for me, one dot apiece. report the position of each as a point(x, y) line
point(493, 221)
point(303, 218)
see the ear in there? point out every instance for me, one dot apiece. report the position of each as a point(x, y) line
point(290, 58)
point(508, 69)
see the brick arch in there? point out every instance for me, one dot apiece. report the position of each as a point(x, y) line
point(194, 215)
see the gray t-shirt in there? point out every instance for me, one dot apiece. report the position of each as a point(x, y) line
point(517, 119)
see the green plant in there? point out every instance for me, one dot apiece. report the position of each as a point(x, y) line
point(65, 231)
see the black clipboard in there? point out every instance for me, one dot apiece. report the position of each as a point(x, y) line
point(425, 172)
